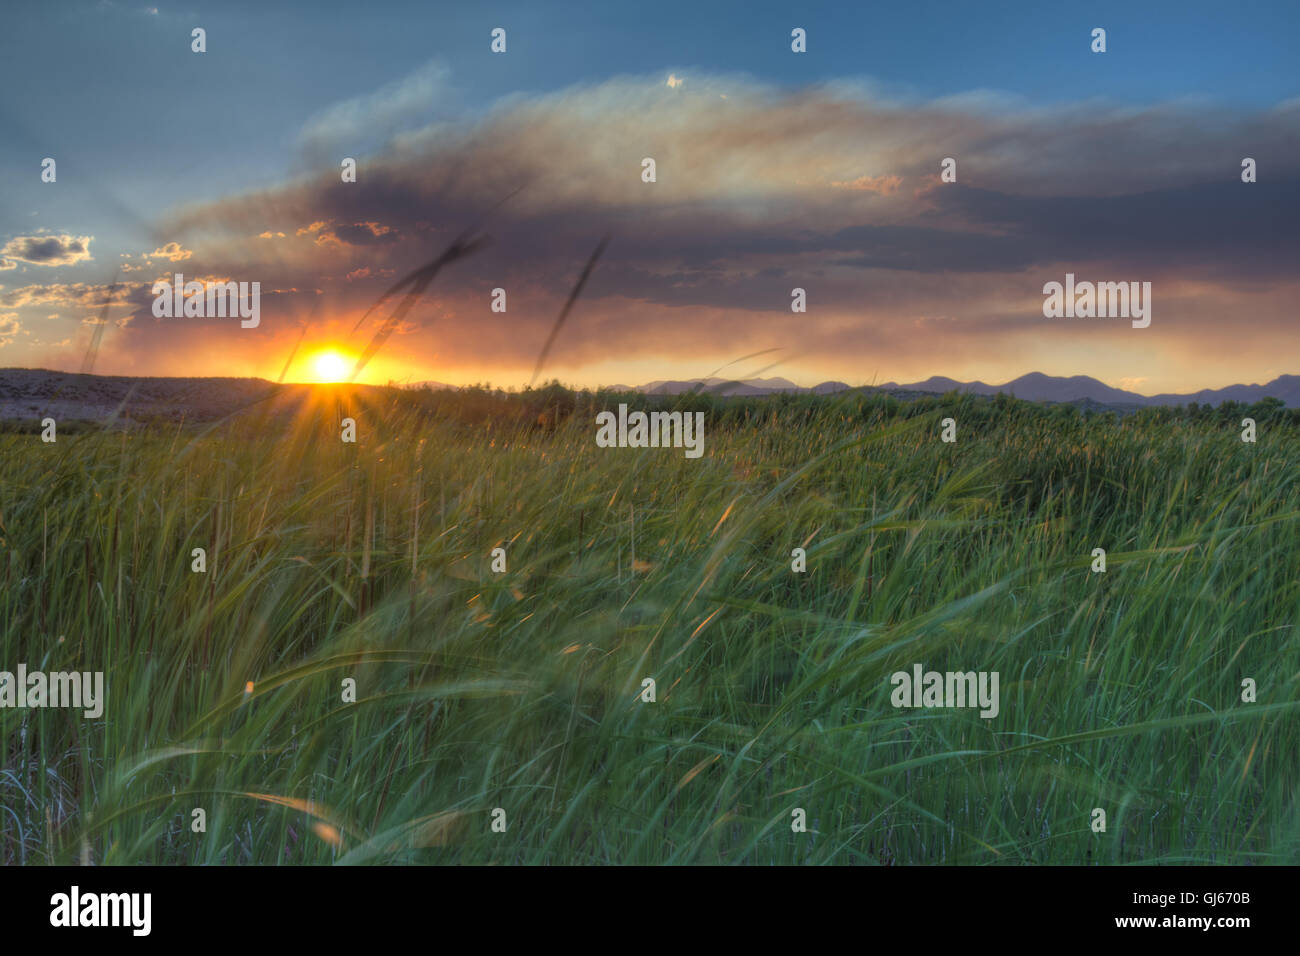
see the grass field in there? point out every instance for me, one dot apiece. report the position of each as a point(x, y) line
point(522, 690)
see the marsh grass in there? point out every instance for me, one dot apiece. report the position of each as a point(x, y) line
point(521, 690)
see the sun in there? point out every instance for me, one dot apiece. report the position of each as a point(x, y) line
point(329, 366)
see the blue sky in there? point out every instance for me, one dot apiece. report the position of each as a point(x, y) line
point(123, 72)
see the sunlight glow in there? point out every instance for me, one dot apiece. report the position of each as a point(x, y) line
point(329, 366)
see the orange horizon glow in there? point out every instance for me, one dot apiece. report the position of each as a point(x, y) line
point(328, 356)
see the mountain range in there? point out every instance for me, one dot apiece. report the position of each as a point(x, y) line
point(35, 393)
point(1034, 387)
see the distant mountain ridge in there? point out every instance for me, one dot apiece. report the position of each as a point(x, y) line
point(1034, 387)
point(27, 393)
point(728, 386)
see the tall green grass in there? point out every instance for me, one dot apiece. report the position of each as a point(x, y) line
point(521, 690)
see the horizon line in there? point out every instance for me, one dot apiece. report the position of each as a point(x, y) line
point(523, 386)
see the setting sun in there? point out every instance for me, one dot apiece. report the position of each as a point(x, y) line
point(329, 366)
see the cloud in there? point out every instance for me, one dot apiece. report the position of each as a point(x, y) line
point(354, 125)
point(47, 250)
point(74, 294)
point(172, 251)
point(874, 184)
point(360, 234)
point(9, 327)
point(831, 188)
point(365, 272)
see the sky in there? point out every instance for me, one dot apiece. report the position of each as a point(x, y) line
point(774, 171)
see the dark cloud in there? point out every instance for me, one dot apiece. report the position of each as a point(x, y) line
point(47, 250)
